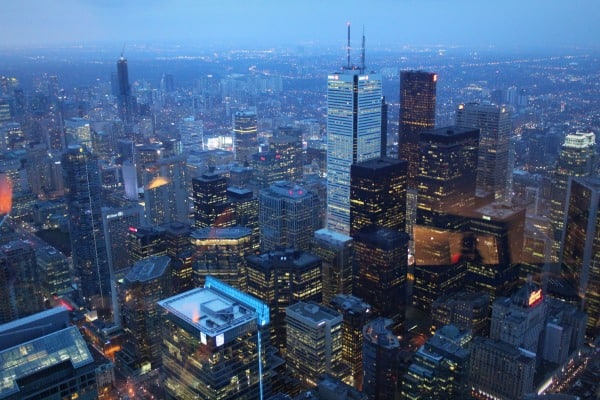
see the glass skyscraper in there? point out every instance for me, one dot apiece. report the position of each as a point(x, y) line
point(353, 135)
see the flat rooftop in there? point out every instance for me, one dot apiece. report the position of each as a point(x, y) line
point(221, 233)
point(208, 310)
point(148, 268)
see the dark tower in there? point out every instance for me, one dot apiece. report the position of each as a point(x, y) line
point(90, 258)
point(124, 95)
point(417, 113)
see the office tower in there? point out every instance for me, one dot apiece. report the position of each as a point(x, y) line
point(211, 207)
point(148, 281)
point(465, 310)
point(48, 363)
point(20, 286)
point(378, 194)
point(116, 224)
point(166, 189)
point(214, 342)
point(245, 208)
point(355, 313)
point(440, 368)
point(287, 216)
point(495, 128)
point(78, 132)
point(177, 238)
point(353, 135)
point(337, 252)
point(499, 370)
point(564, 332)
point(329, 388)
point(245, 133)
point(283, 278)
point(381, 360)
point(577, 159)
point(192, 133)
point(492, 248)
point(313, 342)
point(446, 174)
point(382, 258)
point(124, 98)
point(417, 113)
point(384, 127)
point(88, 244)
point(221, 252)
point(53, 267)
point(580, 248)
point(288, 154)
point(519, 320)
point(439, 268)
point(142, 242)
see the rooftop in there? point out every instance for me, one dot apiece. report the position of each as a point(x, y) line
point(221, 233)
point(315, 313)
point(148, 269)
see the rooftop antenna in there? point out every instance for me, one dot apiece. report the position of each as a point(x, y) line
point(123, 51)
point(348, 46)
point(362, 53)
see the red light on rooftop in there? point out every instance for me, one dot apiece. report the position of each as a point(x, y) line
point(5, 194)
point(455, 258)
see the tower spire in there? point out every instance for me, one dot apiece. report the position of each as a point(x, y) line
point(348, 66)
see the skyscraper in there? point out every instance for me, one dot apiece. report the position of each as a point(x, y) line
point(214, 342)
point(381, 360)
point(382, 258)
point(280, 279)
point(577, 159)
point(124, 99)
point(495, 128)
point(417, 113)
point(378, 194)
point(287, 216)
point(447, 172)
point(580, 250)
point(245, 135)
point(211, 208)
point(313, 342)
point(353, 135)
point(337, 252)
point(90, 257)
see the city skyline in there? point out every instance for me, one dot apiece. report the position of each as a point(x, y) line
point(390, 23)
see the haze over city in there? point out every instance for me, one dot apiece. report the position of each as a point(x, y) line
point(509, 24)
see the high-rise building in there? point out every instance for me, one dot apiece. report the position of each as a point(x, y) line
point(53, 267)
point(337, 252)
point(50, 363)
point(577, 159)
point(516, 367)
point(417, 113)
point(283, 278)
point(328, 388)
point(142, 242)
point(88, 244)
point(580, 246)
point(287, 216)
point(495, 127)
point(116, 224)
point(382, 259)
point(313, 342)
point(20, 286)
point(564, 332)
point(166, 191)
point(353, 136)
point(381, 360)
point(288, 153)
point(446, 173)
point(211, 208)
point(519, 320)
point(124, 98)
point(440, 368)
point(245, 208)
point(221, 252)
point(245, 133)
point(148, 281)
point(465, 310)
point(378, 194)
point(355, 313)
point(214, 343)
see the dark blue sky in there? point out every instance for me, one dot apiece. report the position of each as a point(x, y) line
point(274, 23)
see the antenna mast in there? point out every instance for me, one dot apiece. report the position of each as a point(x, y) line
point(123, 50)
point(348, 47)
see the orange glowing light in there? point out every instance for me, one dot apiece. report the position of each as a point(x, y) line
point(157, 182)
point(5, 194)
point(535, 297)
